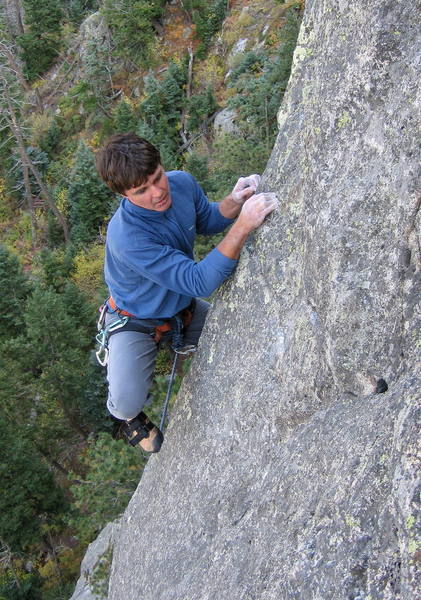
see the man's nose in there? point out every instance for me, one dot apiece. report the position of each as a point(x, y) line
point(156, 191)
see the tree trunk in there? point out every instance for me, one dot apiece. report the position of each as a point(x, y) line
point(30, 202)
point(17, 133)
point(290, 467)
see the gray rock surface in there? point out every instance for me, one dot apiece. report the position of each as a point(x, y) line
point(225, 122)
point(97, 555)
point(93, 28)
point(291, 463)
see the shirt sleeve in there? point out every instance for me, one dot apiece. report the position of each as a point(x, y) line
point(209, 219)
point(172, 269)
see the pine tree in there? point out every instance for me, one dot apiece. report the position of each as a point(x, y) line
point(40, 43)
point(125, 119)
point(29, 495)
point(89, 198)
point(15, 291)
point(161, 113)
point(131, 24)
point(113, 472)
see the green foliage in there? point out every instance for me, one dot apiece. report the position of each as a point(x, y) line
point(113, 472)
point(55, 267)
point(131, 24)
point(88, 197)
point(49, 362)
point(97, 65)
point(49, 142)
point(200, 108)
point(234, 156)
point(125, 118)
point(70, 387)
point(40, 44)
point(15, 288)
point(208, 19)
point(88, 274)
point(198, 166)
point(76, 10)
point(161, 113)
point(260, 81)
point(29, 494)
point(20, 586)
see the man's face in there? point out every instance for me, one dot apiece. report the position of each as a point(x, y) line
point(153, 194)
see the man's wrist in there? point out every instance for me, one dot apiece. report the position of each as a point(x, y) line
point(229, 208)
point(230, 246)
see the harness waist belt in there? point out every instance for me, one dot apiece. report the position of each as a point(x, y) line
point(155, 326)
point(114, 306)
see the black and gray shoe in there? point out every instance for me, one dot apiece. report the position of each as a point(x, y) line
point(140, 431)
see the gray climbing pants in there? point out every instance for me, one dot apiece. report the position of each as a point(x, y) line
point(131, 363)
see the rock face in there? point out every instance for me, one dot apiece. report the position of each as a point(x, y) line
point(289, 469)
point(225, 122)
point(92, 583)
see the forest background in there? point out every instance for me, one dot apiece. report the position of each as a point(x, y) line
point(73, 72)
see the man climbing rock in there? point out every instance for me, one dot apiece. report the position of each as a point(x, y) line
point(154, 282)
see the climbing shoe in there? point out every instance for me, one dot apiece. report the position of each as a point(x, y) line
point(140, 431)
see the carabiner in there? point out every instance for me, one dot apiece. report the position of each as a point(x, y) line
point(101, 319)
point(102, 360)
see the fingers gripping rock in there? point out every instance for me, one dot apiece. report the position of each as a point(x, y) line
point(256, 208)
point(245, 187)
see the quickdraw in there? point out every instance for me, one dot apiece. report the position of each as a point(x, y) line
point(104, 334)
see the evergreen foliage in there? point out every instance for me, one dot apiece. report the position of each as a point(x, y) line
point(50, 141)
point(200, 108)
point(161, 113)
point(15, 288)
point(97, 81)
point(260, 81)
point(131, 24)
point(20, 586)
point(55, 268)
point(40, 44)
point(76, 10)
point(29, 495)
point(208, 18)
point(89, 199)
point(113, 472)
point(198, 166)
point(125, 118)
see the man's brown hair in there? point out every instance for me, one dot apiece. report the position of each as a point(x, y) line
point(126, 161)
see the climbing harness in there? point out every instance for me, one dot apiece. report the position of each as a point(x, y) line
point(125, 321)
point(154, 327)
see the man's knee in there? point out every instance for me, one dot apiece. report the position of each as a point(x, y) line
point(127, 401)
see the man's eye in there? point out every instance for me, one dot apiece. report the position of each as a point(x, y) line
point(141, 191)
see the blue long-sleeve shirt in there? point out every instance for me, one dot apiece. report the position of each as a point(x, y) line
point(149, 266)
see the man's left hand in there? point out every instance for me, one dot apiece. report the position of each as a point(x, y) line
point(245, 188)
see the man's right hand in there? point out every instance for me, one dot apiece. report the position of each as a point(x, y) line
point(252, 215)
point(256, 208)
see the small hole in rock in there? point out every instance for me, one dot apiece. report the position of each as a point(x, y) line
point(381, 386)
